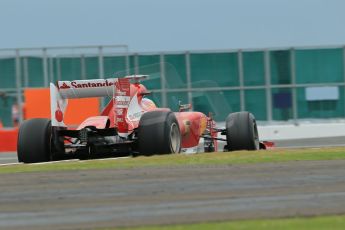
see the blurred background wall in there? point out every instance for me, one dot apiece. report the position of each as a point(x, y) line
point(285, 84)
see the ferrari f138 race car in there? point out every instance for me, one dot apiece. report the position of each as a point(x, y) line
point(129, 124)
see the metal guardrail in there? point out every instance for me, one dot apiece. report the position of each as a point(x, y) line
point(123, 50)
point(45, 53)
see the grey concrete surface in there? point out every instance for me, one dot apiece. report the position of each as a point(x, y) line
point(8, 157)
point(170, 195)
point(311, 142)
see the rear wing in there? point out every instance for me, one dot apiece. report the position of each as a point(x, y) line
point(117, 88)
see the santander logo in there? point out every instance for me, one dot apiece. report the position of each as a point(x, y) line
point(85, 84)
point(64, 86)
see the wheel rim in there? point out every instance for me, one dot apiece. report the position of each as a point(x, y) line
point(175, 138)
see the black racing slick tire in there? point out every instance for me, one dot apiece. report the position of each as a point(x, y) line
point(241, 132)
point(34, 141)
point(158, 133)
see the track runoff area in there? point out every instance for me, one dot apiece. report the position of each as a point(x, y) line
point(178, 189)
point(290, 187)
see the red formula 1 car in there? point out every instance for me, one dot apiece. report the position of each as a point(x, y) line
point(129, 124)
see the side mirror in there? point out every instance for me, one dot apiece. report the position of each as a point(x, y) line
point(184, 107)
point(145, 93)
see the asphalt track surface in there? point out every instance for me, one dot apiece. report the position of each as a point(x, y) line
point(170, 195)
point(153, 196)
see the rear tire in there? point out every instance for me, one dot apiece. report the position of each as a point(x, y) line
point(159, 133)
point(241, 132)
point(34, 141)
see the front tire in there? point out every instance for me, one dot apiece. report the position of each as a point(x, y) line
point(241, 132)
point(159, 133)
point(34, 141)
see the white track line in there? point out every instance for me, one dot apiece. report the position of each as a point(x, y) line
point(41, 163)
point(9, 164)
point(52, 162)
point(112, 158)
point(104, 159)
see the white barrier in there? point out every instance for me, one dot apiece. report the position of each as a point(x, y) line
point(304, 129)
point(301, 130)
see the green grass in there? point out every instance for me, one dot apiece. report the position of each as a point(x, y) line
point(320, 223)
point(239, 157)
